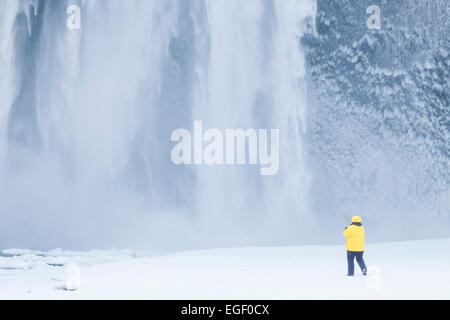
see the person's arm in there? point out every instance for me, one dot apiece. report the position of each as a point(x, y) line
point(347, 232)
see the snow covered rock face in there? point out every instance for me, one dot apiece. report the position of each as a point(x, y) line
point(379, 115)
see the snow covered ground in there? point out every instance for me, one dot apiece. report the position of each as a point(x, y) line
point(400, 270)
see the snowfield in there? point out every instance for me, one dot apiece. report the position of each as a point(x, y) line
point(400, 270)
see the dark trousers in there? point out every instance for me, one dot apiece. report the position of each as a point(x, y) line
point(351, 255)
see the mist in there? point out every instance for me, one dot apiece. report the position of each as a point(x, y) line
point(86, 118)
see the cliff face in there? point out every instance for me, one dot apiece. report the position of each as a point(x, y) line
point(379, 116)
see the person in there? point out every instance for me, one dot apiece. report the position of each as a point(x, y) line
point(355, 245)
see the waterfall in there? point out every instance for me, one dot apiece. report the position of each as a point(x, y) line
point(254, 78)
point(8, 10)
point(86, 118)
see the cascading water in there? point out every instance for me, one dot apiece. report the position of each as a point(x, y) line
point(87, 115)
point(254, 79)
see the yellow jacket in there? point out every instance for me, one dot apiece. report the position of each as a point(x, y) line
point(355, 235)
